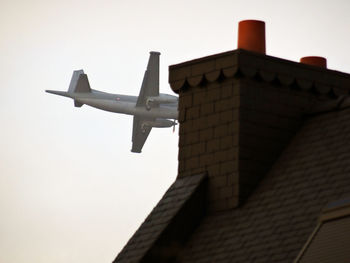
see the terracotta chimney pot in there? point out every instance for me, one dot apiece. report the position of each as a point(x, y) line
point(251, 35)
point(314, 61)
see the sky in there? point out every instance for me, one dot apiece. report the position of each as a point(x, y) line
point(70, 189)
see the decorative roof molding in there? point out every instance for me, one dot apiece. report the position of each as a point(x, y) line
point(242, 63)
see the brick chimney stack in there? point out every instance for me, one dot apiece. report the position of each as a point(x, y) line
point(237, 112)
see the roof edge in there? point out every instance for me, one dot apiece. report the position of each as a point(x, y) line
point(157, 240)
point(249, 64)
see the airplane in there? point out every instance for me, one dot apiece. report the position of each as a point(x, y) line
point(150, 109)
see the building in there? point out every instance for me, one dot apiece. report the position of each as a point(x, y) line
point(264, 162)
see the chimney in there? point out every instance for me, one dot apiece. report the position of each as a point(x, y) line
point(251, 36)
point(238, 110)
point(314, 61)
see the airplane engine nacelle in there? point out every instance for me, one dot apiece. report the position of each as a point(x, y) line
point(161, 99)
point(159, 123)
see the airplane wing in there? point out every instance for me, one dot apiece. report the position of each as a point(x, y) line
point(139, 133)
point(150, 83)
point(149, 88)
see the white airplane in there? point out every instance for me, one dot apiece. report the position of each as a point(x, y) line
point(150, 108)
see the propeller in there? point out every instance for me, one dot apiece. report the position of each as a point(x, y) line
point(175, 123)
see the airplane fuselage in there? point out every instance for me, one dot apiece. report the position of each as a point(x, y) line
point(124, 104)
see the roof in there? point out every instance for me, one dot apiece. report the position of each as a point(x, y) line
point(277, 219)
point(269, 143)
point(331, 238)
point(183, 202)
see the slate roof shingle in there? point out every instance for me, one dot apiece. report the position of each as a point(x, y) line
point(277, 219)
point(163, 217)
point(330, 240)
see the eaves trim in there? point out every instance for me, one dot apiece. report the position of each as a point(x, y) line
point(242, 63)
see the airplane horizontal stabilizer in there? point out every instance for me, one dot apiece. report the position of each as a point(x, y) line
point(60, 93)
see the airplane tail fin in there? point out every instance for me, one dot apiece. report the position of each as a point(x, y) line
point(78, 84)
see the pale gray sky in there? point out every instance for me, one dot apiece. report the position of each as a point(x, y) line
point(70, 189)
